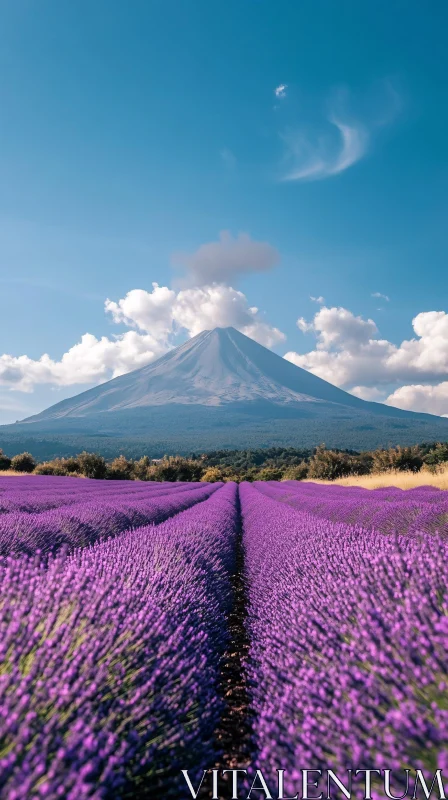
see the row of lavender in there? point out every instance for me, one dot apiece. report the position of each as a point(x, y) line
point(349, 641)
point(88, 511)
point(34, 494)
point(111, 658)
point(389, 510)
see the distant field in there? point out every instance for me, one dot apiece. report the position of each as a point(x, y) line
point(402, 480)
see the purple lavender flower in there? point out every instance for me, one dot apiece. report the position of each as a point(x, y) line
point(349, 646)
point(111, 657)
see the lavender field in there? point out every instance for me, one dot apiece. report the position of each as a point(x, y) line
point(147, 628)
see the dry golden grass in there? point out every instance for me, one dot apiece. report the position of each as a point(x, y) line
point(10, 472)
point(403, 480)
point(4, 472)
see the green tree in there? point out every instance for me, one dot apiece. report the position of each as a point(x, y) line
point(176, 468)
point(5, 461)
point(141, 468)
point(328, 464)
point(24, 462)
point(298, 473)
point(212, 475)
point(121, 469)
point(405, 459)
point(269, 474)
point(55, 467)
point(437, 456)
point(383, 460)
point(72, 465)
point(409, 459)
point(92, 465)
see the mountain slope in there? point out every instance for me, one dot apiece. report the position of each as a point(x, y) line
point(215, 368)
point(222, 389)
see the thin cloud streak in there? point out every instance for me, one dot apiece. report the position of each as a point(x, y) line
point(381, 296)
point(321, 160)
point(342, 139)
point(354, 145)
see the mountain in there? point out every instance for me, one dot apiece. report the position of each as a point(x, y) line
point(215, 368)
point(221, 389)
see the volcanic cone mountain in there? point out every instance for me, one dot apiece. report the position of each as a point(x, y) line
point(221, 389)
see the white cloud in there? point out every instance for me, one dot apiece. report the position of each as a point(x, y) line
point(163, 312)
point(349, 351)
point(326, 154)
point(381, 296)
point(90, 360)
point(145, 310)
point(157, 317)
point(222, 261)
point(209, 307)
point(428, 399)
point(280, 91)
point(355, 139)
point(340, 139)
point(320, 299)
point(368, 393)
point(338, 327)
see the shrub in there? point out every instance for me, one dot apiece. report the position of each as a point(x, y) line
point(270, 474)
point(437, 456)
point(120, 469)
point(298, 473)
point(409, 459)
point(5, 462)
point(24, 462)
point(55, 467)
point(329, 465)
point(361, 464)
point(382, 460)
point(435, 469)
point(233, 477)
point(404, 459)
point(92, 465)
point(44, 468)
point(72, 465)
point(212, 475)
point(225, 474)
point(176, 468)
point(140, 468)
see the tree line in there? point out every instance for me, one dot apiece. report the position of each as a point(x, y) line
point(275, 463)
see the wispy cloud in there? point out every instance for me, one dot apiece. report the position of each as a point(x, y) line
point(324, 156)
point(320, 299)
point(381, 296)
point(280, 91)
point(340, 139)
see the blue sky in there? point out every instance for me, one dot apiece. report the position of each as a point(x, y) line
point(133, 135)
